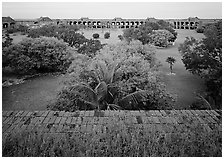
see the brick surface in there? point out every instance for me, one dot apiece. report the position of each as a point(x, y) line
point(163, 121)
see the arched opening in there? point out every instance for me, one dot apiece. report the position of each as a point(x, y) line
point(98, 24)
point(108, 24)
point(182, 25)
point(70, 23)
point(75, 22)
point(79, 22)
point(58, 22)
point(5, 25)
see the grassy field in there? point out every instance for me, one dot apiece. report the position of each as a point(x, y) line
point(184, 84)
point(35, 94)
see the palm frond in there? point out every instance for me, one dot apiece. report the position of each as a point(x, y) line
point(134, 99)
point(101, 91)
point(87, 93)
point(113, 107)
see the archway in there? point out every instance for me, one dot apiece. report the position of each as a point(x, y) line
point(5, 25)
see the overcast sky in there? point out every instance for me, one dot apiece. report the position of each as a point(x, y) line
point(161, 10)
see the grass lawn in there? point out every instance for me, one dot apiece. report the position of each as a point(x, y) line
point(184, 84)
point(33, 94)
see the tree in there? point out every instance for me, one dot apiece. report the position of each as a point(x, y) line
point(160, 38)
point(37, 56)
point(107, 35)
point(204, 58)
point(171, 61)
point(96, 36)
point(119, 76)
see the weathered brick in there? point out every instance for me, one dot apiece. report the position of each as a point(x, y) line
point(157, 113)
point(51, 113)
point(29, 114)
point(60, 128)
point(57, 120)
point(81, 113)
point(61, 113)
point(142, 112)
point(7, 120)
point(67, 114)
point(24, 113)
point(201, 120)
point(155, 120)
point(211, 120)
point(215, 113)
point(45, 113)
point(69, 120)
point(75, 114)
point(46, 120)
point(184, 112)
point(135, 113)
point(63, 120)
point(145, 120)
point(17, 120)
point(163, 112)
point(79, 120)
point(33, 120)
point(39, 120)
point(19, 113)
point(5, 127)
point(89, 128)
point(106, 113)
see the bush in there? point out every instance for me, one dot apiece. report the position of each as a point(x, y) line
point(37, 56)
point(120, 37)
point(123, 70)
point(200, 30)
point(107, 35)
point(96, 36)
point(161, 38)
point(17, 28)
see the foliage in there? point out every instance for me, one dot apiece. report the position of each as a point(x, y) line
point(160, 38)
point(37, 56)
point(171, 61)
point(143, 33)
point(204, 58)
point(96, 35)
point(90, 47)
point(17, 28)
point(107, 35)
point(51, 31)
point(120, 37)
point(129, 73)
point(6, 40)
point(200, 30)
point(119, 140)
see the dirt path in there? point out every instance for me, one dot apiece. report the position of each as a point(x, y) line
point(184, 84)
point(33, 94)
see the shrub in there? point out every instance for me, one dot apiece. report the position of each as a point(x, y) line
point(200, 30)
point(120, 37)
point(37, 56)
point(125, 72)
point(17, 28)
point(107, 35)
point(160, 38)
point(96, 36)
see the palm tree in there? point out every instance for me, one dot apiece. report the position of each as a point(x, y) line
point(171, 61)
point(104, 94)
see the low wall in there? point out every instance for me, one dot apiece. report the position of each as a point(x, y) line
point(62, 122)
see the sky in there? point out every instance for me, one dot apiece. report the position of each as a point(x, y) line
point(110, 10)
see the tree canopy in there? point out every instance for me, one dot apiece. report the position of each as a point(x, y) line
point(204, 58)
